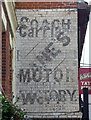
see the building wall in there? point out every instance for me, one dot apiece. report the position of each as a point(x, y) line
point(9, 25)
point(6, 65)
point(45, 5)
point(9, 66)
point(30, 50)
point(6, 55)
point(0, 47)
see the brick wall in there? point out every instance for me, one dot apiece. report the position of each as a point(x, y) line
point(3, 60)
point(6, 64)
point(0, 46)
point(45, 5)
point(83, 12)
point(25, 41)
point(7, 56)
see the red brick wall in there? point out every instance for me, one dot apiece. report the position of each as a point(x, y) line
point(45, 5)
point(3, 60)
point(11, 73)
point(6, 59)
point(0, 45)
point(6, 64)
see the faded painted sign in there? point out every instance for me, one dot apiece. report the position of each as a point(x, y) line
point(47, 61)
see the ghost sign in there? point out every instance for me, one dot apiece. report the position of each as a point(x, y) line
point(47, 61)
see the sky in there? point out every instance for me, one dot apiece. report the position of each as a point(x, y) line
point(87, 0)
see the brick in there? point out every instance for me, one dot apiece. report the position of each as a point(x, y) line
point(30, 48)
point(49, 5)
point(6, 64)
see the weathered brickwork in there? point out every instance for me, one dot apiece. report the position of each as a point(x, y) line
point(47, 62)
point(6, 64)
point(45, 5)
point(0, 46)
point(3, 60)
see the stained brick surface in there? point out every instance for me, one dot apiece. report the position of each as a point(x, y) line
point(47, 89)
point(7, 57)
point(6, 65)
point(47, 62)
point(45, 5)
point(0, 46)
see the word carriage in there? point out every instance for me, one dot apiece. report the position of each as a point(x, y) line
point(48, 29)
